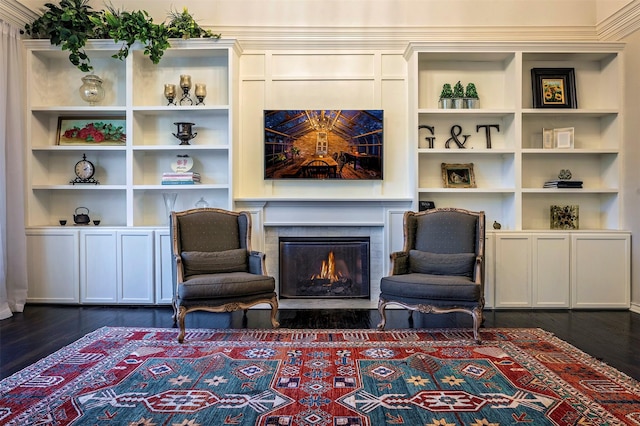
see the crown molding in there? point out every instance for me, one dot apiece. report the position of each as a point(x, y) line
point(16, 14)
point(392, 38)
point(621, 24)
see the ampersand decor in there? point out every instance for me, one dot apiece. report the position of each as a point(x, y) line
point(487, 131)
point(456, 130)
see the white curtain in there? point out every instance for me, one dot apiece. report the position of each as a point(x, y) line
point(13, 269)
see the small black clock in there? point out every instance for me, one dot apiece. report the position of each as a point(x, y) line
point(84, 170)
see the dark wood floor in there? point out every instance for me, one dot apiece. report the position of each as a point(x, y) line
point(611, 336)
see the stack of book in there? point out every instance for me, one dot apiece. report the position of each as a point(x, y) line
point(180, 178)
point(563, 184)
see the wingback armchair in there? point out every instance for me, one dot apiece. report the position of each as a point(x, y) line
point(441, 266)
point(213, 266)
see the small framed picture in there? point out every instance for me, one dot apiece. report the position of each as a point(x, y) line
point(91, 131)
point(563, 137)
point(547, 138)
point(458, 175)
point(554, 88)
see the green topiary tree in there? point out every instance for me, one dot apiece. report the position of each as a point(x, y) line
point(471, 92)
point(458, 90)
point(447, 92)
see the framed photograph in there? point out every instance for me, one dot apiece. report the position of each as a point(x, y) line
point(91, 131)
point(324, 144)
point(564, 217)
point(458, 175)
point(554, 88)
point(563, 138)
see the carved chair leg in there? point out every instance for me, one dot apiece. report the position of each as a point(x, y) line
point(383, 318)
point(182, 313)
point(477, 322)
point(174, 305)
point(274, 311)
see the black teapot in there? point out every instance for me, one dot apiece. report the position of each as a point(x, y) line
point(81, 218)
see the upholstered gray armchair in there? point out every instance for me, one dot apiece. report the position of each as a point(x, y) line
point(441, 267)
point(214, 268)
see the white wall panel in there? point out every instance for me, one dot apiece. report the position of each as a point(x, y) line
point(340, 66)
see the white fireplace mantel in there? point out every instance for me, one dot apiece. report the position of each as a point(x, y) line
point(379, 218)
point(323, 212)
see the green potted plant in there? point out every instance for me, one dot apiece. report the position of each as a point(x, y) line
point(68, 25)
point(446, 97)
point(130, 27)
point(471, 98)
point(458, 95)
point(183, 25)
point(71, 23)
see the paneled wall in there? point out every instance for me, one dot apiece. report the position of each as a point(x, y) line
point(322, 80)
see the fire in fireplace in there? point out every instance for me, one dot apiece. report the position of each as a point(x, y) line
point(326, 267)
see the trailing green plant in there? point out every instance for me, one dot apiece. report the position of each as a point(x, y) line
point(71, 23)
point(68, 25)
point(130, 27)
point(471, 92)
point(458, 90)
point(447, 92)
point(183, 25)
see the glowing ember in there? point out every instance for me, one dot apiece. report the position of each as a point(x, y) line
point(328, 270)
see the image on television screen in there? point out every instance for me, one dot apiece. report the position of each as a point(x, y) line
point(323, 144)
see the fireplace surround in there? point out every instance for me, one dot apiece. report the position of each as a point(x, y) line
point(324, 267)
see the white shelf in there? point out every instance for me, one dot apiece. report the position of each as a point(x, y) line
point(129, 193)
point(511, 173)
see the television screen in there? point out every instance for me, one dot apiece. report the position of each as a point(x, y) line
point(323, 144)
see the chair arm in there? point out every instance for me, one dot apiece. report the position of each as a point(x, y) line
point(256, 263)
point(478, 270)
point(399, 263)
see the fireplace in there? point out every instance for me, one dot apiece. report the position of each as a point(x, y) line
point(324, 267)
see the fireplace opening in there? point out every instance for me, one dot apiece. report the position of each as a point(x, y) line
point(324, 267)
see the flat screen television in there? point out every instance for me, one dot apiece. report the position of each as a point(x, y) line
point(323, 144)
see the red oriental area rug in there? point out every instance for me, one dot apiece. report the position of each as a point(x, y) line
point(142, 376)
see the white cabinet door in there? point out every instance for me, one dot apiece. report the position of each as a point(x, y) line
point(116, 266)
point(98, 274)
point(551, 270)
point(135, 266)
point(513, 270)
point(53, 264)
point(164, 282)
point(600, 270)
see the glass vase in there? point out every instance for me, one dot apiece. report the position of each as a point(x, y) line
point(169, 203)
point(91, 90)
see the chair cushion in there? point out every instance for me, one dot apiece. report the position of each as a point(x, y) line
point(442, 264)
point(234, 284)
point(430, 287)
point(214, 262)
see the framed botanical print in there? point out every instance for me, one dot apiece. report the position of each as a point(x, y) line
point(554, 88)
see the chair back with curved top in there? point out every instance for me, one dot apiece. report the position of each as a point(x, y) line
point(214, 268)
point(441, 266)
